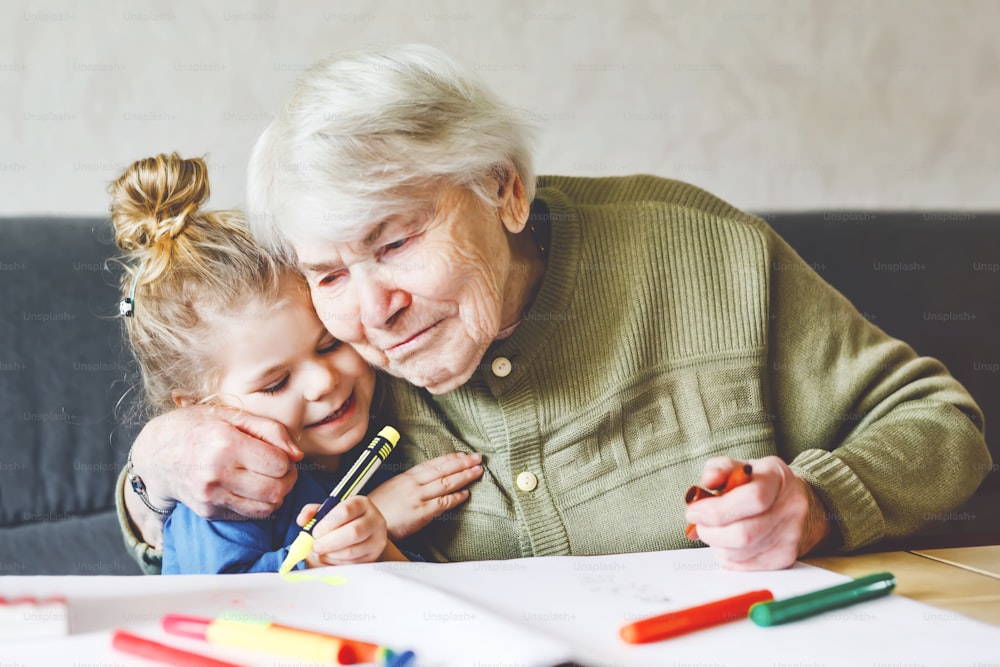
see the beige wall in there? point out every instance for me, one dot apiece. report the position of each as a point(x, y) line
point(773, 104)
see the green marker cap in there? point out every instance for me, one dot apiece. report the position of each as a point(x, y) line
point(869, 587)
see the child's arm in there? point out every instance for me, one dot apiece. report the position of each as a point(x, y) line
point(410, 500)
point(353, 532)
point(193, 545)
point(392, 552)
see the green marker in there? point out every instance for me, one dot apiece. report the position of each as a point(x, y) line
point(870, 587)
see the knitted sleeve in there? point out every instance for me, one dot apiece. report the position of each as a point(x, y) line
point(888, 439)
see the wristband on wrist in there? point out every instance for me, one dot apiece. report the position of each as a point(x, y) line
point(139, 487)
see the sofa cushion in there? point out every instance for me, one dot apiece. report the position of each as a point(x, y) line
point(62, 373)
point(89, 545)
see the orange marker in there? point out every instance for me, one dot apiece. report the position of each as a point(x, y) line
point(695, 618)
point(737, 477)
point(697, 493)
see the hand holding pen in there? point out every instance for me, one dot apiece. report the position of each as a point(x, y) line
point(764, 524)
point(349, 487)
point(353, 532)
point(735, 477)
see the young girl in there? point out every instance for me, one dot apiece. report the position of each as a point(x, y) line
point(211, 318)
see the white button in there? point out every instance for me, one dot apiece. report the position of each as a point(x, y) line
point(501, 367)
point(526, 481)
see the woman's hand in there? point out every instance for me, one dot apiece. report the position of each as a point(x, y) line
point(410, 500)
point(766, 524)
point(219, 462)
point(353, 532)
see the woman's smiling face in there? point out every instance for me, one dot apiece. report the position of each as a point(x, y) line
point(424, 295)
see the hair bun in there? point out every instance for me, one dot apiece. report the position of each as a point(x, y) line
point(152, 201)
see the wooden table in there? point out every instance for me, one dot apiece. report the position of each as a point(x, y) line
point(964, 580)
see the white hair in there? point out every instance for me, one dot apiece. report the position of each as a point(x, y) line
point(363, 131)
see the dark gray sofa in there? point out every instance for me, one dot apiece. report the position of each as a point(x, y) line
point(932, 279)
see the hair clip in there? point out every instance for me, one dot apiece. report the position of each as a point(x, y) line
point(126, 307)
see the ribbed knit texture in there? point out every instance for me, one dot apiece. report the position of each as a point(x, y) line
point(671, 327)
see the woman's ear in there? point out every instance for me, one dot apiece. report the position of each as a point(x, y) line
point(180, 400)
point(512, 200)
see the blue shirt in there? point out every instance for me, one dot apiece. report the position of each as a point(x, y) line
point(195, 545)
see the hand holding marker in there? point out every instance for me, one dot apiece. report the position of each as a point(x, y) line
point(371, 458)
point(737, 477)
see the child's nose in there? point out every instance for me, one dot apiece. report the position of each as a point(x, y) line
point(322, 380)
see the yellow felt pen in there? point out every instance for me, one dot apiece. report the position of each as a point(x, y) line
point(260, 634)
point(371, 458)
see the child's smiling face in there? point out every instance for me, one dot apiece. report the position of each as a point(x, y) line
point(279, 361)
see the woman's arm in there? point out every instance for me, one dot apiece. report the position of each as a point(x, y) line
point(872, 439)
point(214, 460)
point(886, 438)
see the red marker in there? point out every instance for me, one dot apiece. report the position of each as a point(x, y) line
point(126, 642)
point(686, 620)
point(737, 477)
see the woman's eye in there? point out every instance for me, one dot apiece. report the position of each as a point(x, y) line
point(329, 280)
point(395, 245)
point(276, 387)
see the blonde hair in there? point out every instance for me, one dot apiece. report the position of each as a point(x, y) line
point(363, 130)
point(192, 267)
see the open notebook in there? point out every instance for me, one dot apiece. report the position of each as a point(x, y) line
point(520, 613)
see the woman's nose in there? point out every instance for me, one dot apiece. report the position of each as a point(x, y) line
point(379, 300)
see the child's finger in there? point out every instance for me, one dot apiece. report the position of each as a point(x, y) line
point(428, 471)
point(450, 483)
point(365, 552)
point(365, 533)
point(306, 513)
point(345, 512)
point(343, 537)
point(441, 504)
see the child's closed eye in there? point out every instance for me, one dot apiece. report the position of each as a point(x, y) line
point(329, 345)
point(275, 387)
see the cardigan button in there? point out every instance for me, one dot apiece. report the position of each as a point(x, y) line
point(527, 481)
point(501, 367)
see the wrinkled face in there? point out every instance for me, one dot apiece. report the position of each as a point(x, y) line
point(424, 294)
point(279, 361)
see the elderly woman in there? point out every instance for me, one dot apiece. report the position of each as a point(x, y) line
point(604, 343)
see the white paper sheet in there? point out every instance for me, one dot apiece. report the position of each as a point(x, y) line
point(521, 613)
point(371, 605)
point(584, 602)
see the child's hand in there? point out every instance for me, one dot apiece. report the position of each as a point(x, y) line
point(410, 500)
point(353, 532)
